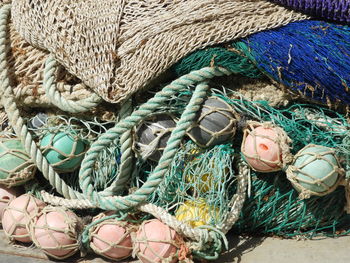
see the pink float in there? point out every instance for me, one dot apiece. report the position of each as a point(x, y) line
point(112, 238)
point(6, 195)
point(55, 231)
point(156, 242)
point(265, 147)
point(17, 214)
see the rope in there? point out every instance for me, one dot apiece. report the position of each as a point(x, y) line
point(121, 202)
point(158, 212)
point(57, 99)
point(130, 201)
point(126, 160)
point(123, 128)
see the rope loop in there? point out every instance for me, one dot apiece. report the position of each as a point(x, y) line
point(56, 97)
point(135, 199)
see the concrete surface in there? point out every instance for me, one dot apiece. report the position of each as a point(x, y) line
point(242, 250)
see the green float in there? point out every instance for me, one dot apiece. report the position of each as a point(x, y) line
point(63, 151)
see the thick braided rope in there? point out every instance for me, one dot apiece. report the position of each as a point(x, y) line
point(57, 99)
point(182, 228)
point(17, 121)
point(130, 201)
point(107, 138)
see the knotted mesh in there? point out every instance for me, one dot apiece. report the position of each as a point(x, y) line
point(57, 239)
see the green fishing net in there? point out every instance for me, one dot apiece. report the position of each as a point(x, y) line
point(196, 188)
point(206, 177)
point(231, 57)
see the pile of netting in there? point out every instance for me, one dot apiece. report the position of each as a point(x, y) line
point(213, 147)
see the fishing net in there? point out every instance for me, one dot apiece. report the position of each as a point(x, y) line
point(152, 135)
point(303, 172)
point(262, 137)
point(305, 124)
point(291, 62)
point(136, 40)
point(165, 246)
point(313, 67)
point(17, 215)
point(196, 177)
point(202, 180)
point(76, 132)
point(231, 57)
point(273, 208)
point(27, 64)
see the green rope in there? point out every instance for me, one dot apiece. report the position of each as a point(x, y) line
point(55, 96)
point(130, 201)
point(127, 155)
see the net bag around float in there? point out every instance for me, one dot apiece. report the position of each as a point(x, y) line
point(216, 123)
point(58, 239)
point(259, 141)
point(16, 166)
point(116, 247)
point(308, 163)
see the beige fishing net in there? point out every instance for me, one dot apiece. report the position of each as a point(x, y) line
point(118, 46)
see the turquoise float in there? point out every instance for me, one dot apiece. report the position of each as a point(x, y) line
point(315, 170)
point(63, 151)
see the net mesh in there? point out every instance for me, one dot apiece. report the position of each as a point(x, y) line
point(17, 215)
point(84, 130)
point(160, 247)
point(231, 57)
point(215, 123)
point(27, 67)
point(191, 181)
point(310, 181)
point(276, 139)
